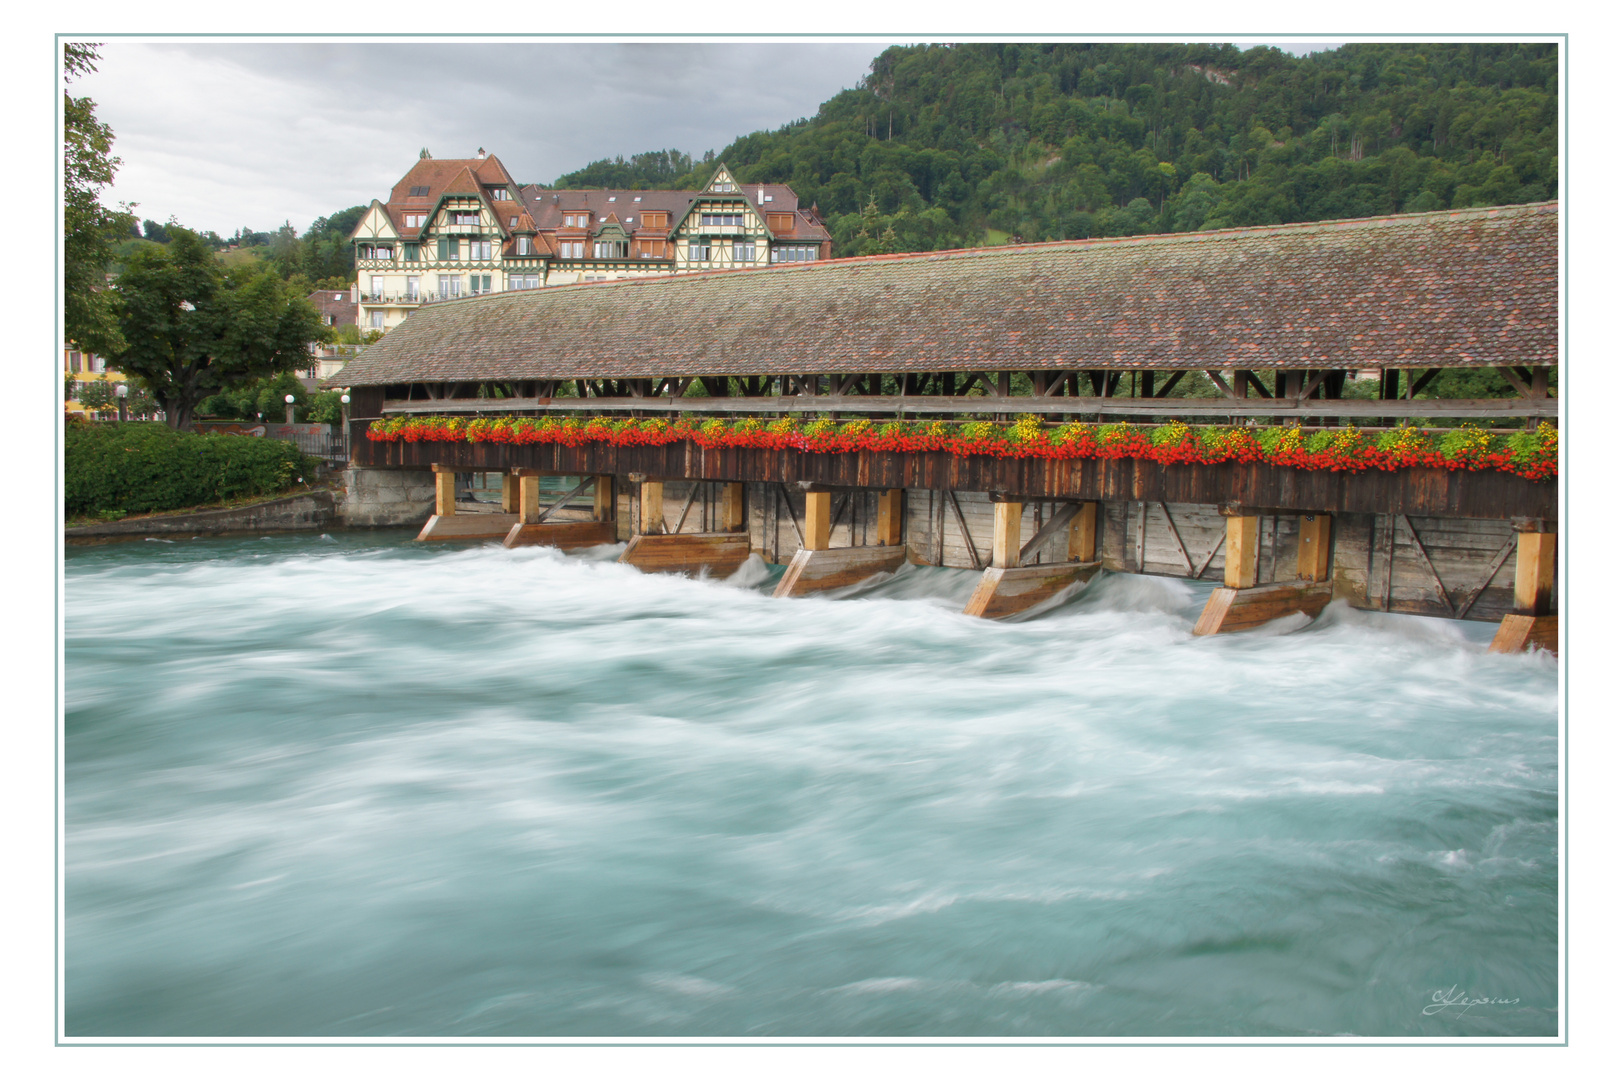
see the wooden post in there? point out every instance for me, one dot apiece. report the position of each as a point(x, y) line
point(889, 527)
point(529, 498)
point(444, 491)
point(732, 508)
point(1006, 533)
point(817, 515)
point(1084, 534)
point(653, 508)
point(1240, 551)
point(1535, 572)
point(510, 494)
point(603, 499)
point(1313, 547)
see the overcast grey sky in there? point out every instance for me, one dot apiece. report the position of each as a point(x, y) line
point(226, 135)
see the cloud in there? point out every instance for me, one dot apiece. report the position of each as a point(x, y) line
point(229, 135)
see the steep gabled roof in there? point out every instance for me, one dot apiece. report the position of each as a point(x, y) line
point(1460, 288)
point(438, 177)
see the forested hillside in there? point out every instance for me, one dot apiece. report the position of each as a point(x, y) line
point(960, 145)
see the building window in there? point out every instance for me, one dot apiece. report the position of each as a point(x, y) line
point(524, 246)
point(523, 281)
point(418, 192)
point(465, 217)
point(377, 320)
point(577, 221)
point(609, 249)
point(415, 221)
point(450, 286)
point(377, 286)
point(450, 249)
point(478, 249)
point(796, 253)
point(721, 219)
point(698, 252)
point(413, 290)
point(478, 283)
point(723, 185)
point(371, 251)
point(744, 252)
point(500, 195)
point(412, 252)
point(512, 222)
point(74, 359)
point(574, 249)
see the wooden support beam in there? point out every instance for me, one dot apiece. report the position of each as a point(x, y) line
point(1006, 533)
point(529, 500)
point(889, 526)
point(817, 520)
point(732, 508)
point(835, 568)
point(1177, 538)
point(693, 491)
point(1138, 540)
point(1090, 408)
point(1240, 554)
point(1083, 542)
point(963, 529)
point(1230, 609)
point(603, 498)
point(468, 527)
point(716, 554)
point(444, 491)
point(567, 535)
point(1437, 585)
point(1535, 572)
point(1522, 633)
point(794, 521)
point(1172, 380)
point(576, 490)
point(1494, 564)
point(1060, 519)
point(1313, 547)
point(651, 508)
point(509, 493)
point(1009, 590)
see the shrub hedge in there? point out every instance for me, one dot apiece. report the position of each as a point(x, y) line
point(138, 468)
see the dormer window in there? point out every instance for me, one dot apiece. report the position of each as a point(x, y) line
point(376, 251)
point(415, 221)
point(465, 217)
point(418, 191)
point(724, 185)
point(577, 221)
point(721, 219)
point(512, 222)
point(524, 247)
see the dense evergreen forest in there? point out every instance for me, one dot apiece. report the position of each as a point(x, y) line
point(960, 145)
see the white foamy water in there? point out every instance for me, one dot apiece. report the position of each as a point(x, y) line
point(352, 786)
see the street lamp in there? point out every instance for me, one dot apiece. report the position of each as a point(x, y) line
point(289, 400)
point(344, 399)
point(123, 392)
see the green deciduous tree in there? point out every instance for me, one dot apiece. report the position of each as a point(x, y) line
point(89, 228)
point(194, 329)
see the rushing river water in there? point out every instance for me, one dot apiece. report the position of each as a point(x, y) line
point(352, 786)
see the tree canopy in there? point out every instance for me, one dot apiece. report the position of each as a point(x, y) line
point(962, 145)
point(89, 228)
point(193, 328)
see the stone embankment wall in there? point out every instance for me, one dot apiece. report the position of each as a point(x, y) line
point(386, 497)
point(308, 510)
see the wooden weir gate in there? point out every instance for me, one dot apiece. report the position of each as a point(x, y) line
point(1025, 330)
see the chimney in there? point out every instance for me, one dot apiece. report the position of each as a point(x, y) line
point(481, 153)
point(760, 194)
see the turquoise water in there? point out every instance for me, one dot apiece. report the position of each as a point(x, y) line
point(352, 786)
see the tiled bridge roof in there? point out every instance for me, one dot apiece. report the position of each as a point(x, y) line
point(1452, 288)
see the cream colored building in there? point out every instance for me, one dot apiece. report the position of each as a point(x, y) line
point(453, 228)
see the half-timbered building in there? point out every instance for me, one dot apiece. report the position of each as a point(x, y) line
point(453, 228)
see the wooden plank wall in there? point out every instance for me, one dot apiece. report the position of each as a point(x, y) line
point(1373, 549)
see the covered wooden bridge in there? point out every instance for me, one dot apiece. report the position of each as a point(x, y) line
point(1282, 320)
